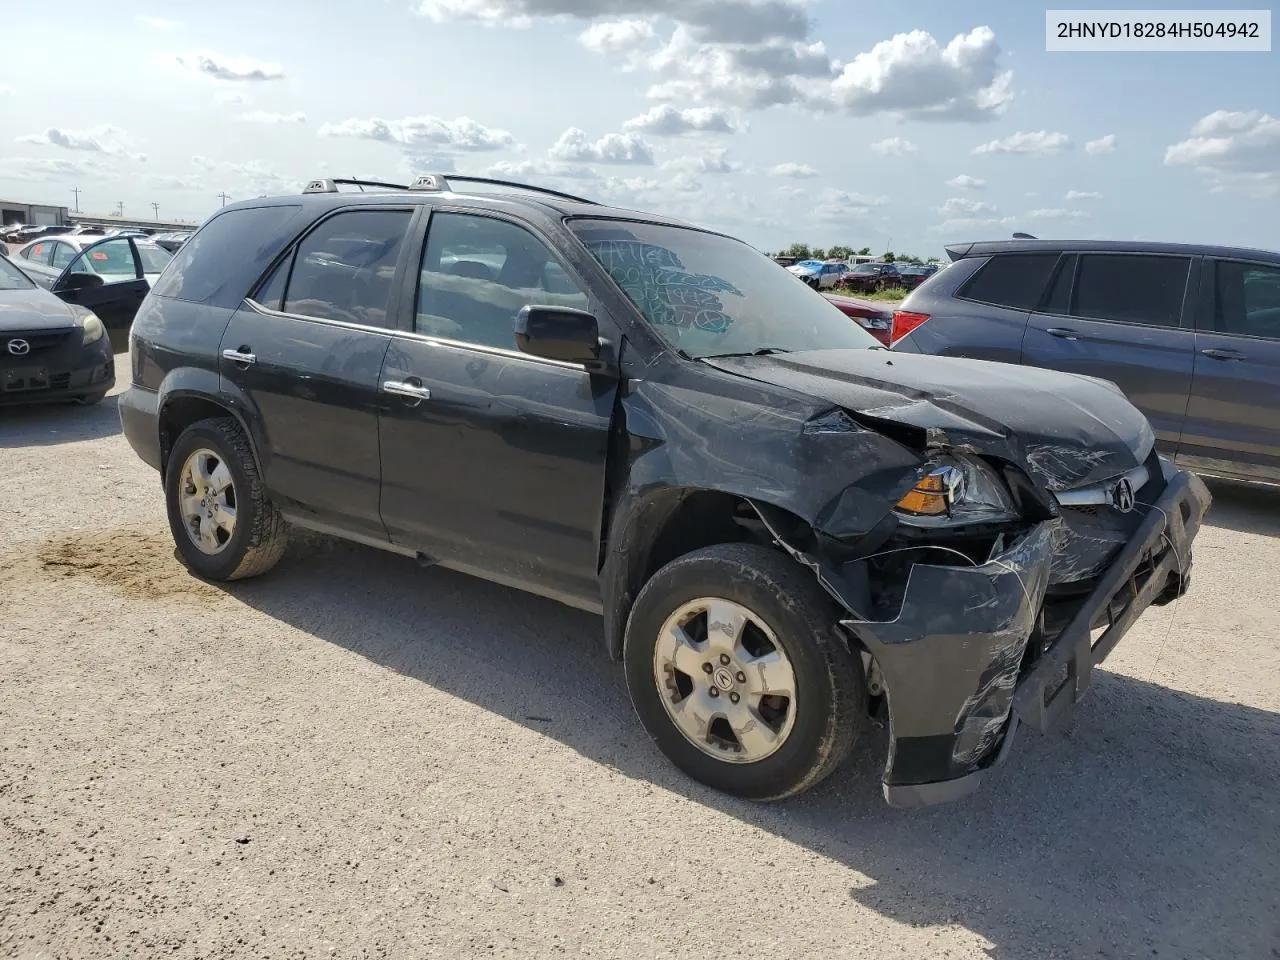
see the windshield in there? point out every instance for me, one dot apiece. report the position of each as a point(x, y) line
point(11, 278)
point(154, 259)
point(708, 295)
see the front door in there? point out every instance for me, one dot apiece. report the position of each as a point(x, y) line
point(1124, 318)
point(1234, 413)
point(493, 461)
point(107, 278)
point(305, 352)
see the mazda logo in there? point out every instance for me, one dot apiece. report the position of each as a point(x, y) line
point(1122, 495)
point(19, 348)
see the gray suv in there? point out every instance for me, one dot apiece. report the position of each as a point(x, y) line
point(1190, 333)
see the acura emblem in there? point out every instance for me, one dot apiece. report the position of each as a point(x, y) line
point(19, 348)
point(1122, 495)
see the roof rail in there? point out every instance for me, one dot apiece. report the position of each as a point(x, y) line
point(435, 183)
point(330, 185)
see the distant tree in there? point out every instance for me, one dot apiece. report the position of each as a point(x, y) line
point(798, 250)
point(889, 257)
point(819, 253)
point(840, 252)
point(864, 252)
point(908, 258)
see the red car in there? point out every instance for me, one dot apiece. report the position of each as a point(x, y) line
point(873, 317)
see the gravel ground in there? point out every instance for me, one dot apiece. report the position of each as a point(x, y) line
point(355, 757)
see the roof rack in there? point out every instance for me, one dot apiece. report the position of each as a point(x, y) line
point(435, 183)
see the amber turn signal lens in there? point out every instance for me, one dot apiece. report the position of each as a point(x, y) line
point(927, 498)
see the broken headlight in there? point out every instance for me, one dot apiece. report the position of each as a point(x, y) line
point(955, 490)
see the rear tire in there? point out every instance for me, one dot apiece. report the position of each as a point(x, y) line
point(702, 597)
point(223, 523)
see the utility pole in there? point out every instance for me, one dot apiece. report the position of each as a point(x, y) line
point(155, 208)
point(76, 191)
point(223, 197)
point(119, 208)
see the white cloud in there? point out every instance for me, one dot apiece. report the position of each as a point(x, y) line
point(965, 182)
point(158, 23)
point(962, 225)
point(428, 143)
point(1081, 195)
point(189, 184)
point(839, 205)
point(710, 161)
point(1105, 144)
point(665, 120)
point(52, 169)
point(104, 139)
point(231, 98)
point(616, 36)
point(540, 171)
point(266, 117)
point(1055, 213)
point(912, 75)
point(794, 171)
point(618, 148)
point(236, 69)
point(249, 179)
point(5, 90)
point(964, 207)
point(1039, 142)
point(894, 147)
point(1237, 151)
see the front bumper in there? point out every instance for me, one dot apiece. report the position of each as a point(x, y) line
point(956, 665)
point(67, 373)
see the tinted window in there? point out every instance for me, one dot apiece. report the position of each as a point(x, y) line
point(709, 295)
point(219, 250)
point(1248, 300)
point(343, 269)
point(62, 254)
point(38, 253)
point(1059, 300)
point(1131, 288)
point(478, 272)
point(1011, 280)
point(271, 292)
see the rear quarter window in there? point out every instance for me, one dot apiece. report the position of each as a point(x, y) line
point(219, 252)
point(1014, 280)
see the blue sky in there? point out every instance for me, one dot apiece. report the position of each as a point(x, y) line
point(774, 120)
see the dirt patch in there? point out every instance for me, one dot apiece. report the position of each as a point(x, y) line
point(136, 565)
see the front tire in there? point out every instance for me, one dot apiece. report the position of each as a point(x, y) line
point(748, 623)
point(223, 523)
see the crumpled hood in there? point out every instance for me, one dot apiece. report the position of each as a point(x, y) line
point(1066, 430)
point(35, 309)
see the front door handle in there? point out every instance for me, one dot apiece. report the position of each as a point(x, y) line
point(412, 390)
point(1062, 333)
point(1223, 354)
point(241, 355)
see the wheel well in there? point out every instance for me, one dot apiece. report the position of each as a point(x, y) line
point(702, 519)
point(180, 413)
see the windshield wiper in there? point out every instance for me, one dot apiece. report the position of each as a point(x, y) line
point(758, 352)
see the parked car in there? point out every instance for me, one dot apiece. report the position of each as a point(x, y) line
point(49, 350)
point(872, 317)
point(817, 274)
point(1190, 333)
point(777, 518)
point(110, 275)
point(171, 242)
point(870, 277)
point(911, 276)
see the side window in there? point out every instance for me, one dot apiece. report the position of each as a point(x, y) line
point(1013, 280)
point(62, 254)
point(271, 291)
point(218, 251)
point(1248, 299)
point(111, 260)
point(39, 253)
point(478, 272)
point(344, 268)
point(1131, 288)
point(1059, 300)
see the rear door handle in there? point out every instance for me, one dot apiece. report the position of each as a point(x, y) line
point(1223, 354)
point(1062, 333)
point(240, 355)
point(412, 389)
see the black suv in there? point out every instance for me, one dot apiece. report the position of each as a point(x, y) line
point(788, 529)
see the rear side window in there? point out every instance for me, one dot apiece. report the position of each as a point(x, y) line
point(344, 268)
point(1131, 288)
point(218, 252)
point(1013, 280)
point(39, 253)
point(1248, 299)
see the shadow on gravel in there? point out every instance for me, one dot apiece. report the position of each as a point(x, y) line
point(49, 424)
point(1245, 507)
point(1149, 828)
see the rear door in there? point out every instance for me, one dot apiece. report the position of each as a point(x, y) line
point(1234, 413)
point(494, 460)
point(35, 261)
point(1125, 318)
point(305, 352)
point(107, 278)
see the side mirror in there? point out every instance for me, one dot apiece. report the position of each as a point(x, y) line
point(80, 281)
point(558, 333)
